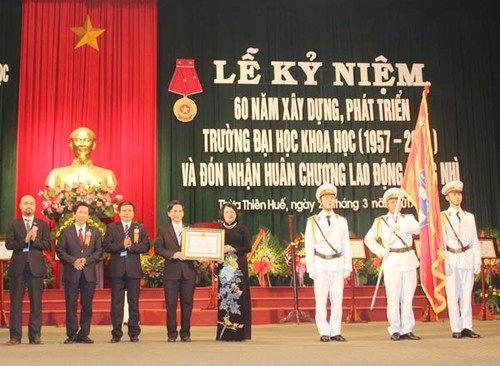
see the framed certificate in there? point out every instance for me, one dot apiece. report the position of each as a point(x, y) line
point(203, 243)
point(488, 248)
point(5, 254)
point(358, 249)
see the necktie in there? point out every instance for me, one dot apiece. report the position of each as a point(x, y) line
point(80, 236)
point(328, 219)
point(458, 216)
point(178, 231)
point(28, 228)
point(126, 230)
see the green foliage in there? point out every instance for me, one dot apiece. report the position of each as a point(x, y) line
point(152, 270)
point(269, 257)
point(69, 219)
point(491, 276)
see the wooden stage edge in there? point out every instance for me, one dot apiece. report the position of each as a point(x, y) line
point(270, 305)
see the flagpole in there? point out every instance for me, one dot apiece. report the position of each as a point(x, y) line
point(420, 188)
point(427, 85)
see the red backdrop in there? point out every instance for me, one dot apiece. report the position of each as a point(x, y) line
point(111, 91)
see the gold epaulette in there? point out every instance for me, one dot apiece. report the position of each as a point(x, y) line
point(312, 217)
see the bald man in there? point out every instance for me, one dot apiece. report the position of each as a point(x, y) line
point(27, 237)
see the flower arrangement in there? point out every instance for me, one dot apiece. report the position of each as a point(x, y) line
point(69, 219)
point(59, 201)
point(229, 292)
point(300, 258)
point(491, 276)
point(492, 288)
point(268, 258)
point(152, 269)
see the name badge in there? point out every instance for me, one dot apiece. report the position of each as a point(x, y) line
point(123, 254)
point(27, 249)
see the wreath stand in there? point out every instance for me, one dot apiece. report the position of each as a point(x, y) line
point(353, 315)
point(484, 313)
point(298, 314)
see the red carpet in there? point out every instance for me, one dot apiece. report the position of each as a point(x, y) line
point(269, 305)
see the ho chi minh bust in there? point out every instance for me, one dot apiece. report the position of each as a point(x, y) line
point(82, 142)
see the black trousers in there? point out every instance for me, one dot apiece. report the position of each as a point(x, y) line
point(16, 289)
point(118, 287)
point(182, 289)
point(86, 290)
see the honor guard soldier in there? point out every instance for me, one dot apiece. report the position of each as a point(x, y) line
point(391, 238)
point(463, 260)
point(328, 262)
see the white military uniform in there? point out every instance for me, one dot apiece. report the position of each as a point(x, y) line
point(399, 267)
point(329, 272)
point(462, 261)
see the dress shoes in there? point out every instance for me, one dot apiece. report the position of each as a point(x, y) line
point(410, 336)
point(71, 339)
point(324, 338)
point(115, 339)
point(395, 336)
point(337, 338)
point(456, 335)
point(469, 333)
point(13, 342)
point(85, 340)
point(36, 340)
point(186, 339)
point(134, 339)
point(171, 339)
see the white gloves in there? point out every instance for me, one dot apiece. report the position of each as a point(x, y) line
point(312, 276)
point(347, 274)
point(395, 227)
point(384, 253)
point(477, 269)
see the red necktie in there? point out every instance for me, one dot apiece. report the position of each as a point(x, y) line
point(80, 236)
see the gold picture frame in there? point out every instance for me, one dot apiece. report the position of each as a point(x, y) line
point(5, 254)
point(358, 248)
point(203, 244)
point(488, 248)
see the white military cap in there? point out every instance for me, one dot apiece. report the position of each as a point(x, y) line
point(390, 194)
point(325, 188)
point(454, 185)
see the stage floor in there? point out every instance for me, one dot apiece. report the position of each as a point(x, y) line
point(276, 344)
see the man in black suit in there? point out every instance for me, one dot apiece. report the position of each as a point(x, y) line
point(178, 273)
point(79, 248)
point(125, 240)
point(27, 237)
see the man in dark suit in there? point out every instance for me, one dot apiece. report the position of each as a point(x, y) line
point(125, 240)
point(178, 273)
point(27, 237)
point(79, 248)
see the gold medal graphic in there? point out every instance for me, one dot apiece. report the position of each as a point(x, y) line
point(185, 82)
point(185, 109)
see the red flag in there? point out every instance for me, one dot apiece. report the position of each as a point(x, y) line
point(420, 187)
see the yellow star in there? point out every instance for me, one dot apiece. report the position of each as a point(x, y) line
point(87, 34)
